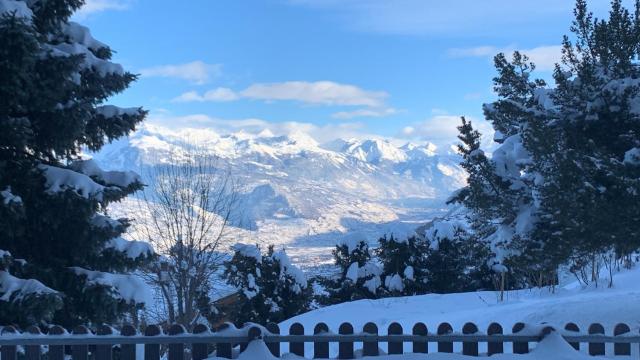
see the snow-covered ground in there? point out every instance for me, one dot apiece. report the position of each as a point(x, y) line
point(570, 303)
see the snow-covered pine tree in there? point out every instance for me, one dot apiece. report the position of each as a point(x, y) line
point(457, 262)
point(566, 155)
point(54, 80)
point(404, 270)
point(272, 289)
point(596, 126)
point(359, 276)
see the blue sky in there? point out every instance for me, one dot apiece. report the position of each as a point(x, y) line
point(402, 69)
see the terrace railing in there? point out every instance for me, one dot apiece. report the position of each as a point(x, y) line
point(178, 344)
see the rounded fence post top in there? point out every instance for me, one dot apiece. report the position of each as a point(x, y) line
point(104, 330)
point(128, 330)
point(273, 328)
point(444, 328)
point(419, 327)
point(296, 329)
point(81, 330)
point(596, 328)
point(571, 327)
point(57, 330)
point(200, 328)
point(176, 329)
point(153, 330)
point(517, 327)
point(370, 328)
point(34, 330)
point(621, 328)
point(255, 333)
point(469, 328)
point(494, 328)
point(320, 328)
point(8, 330)
point(345, 327)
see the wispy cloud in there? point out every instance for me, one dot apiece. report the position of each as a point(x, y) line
point(443, 129)
point(325, 93)
point(545, 57)
point(318, 93)
point(197, 72)
point(220, 94)
point(96, 6)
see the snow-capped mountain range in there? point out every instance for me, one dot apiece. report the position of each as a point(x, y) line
point(306, 195)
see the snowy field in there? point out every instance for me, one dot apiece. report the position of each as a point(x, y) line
point(570, 303)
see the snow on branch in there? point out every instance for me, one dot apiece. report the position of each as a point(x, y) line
point(13, 289)
point(60, 180)
point(122, 179)
point(133, 249)
point(129, 288)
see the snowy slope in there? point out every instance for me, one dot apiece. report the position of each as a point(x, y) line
point(304, 195)
point(570, 303)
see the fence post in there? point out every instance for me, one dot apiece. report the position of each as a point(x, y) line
point(56, 352)
point(274, 347)
point(494, 347)
point(420, 347)
point(295, 347)
point(470, 347)
point(345, 348)
point(200, 351)
point(519, 347)
point(445, 346)
point(395, 347)
point(32, 352)
point(370, 348)
point(254, 333)
point(80, 352)
point(320, 348)
point(223, 350)
point(8, 352)
point(152, 351)
point(176, 351)
point(573, 328)
point(621, 349)
point(596, 348)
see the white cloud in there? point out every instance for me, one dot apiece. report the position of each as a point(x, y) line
point(196, 72)
point(443, 129)
point(95, 6)
point(372, 112)
point(545, 57)
point(327, 93)
point(220, 94)
point(319, 92)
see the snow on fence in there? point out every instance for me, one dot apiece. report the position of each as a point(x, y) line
point(178, 344)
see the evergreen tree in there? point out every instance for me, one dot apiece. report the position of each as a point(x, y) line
point(271, 288)
point(404, 267)
point(457, 262)
point(359, 276)
point(54, 81)
point(563, 186)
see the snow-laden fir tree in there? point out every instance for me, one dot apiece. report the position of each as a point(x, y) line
point(270, 287)
point(54, 80)
point(404, 269)
point(359, 274)
point(566, 160)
